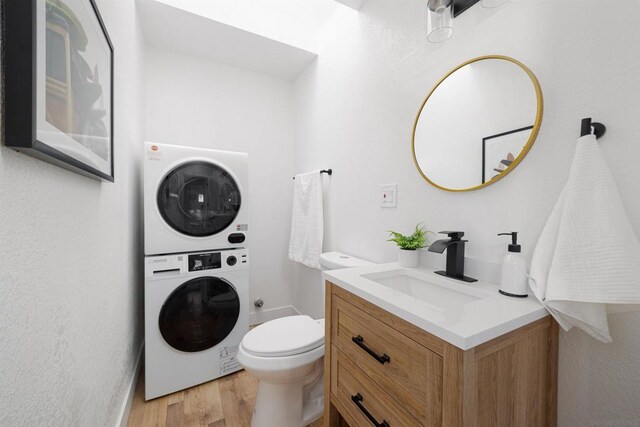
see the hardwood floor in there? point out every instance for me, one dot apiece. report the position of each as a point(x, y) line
point(225, 402)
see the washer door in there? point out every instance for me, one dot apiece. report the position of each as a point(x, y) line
point(199, 314)
point(198, 199)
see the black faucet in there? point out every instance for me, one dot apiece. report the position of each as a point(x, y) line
point(455, 255)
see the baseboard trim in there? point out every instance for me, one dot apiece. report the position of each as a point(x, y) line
point(126, 407)
point(261, 316)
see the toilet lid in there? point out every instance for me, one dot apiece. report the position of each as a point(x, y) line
point(286, 336)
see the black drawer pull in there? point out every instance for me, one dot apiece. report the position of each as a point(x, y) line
point(360, 342)
point(357, 399)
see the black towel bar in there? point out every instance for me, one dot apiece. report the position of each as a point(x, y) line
point(327, 171)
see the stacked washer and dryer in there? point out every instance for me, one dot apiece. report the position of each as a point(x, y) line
point(196, 265)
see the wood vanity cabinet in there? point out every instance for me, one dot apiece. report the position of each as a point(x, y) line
point(381, 369)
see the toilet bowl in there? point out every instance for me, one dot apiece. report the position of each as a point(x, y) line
point(286, 355)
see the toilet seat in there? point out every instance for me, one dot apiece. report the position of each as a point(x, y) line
point(284, 337)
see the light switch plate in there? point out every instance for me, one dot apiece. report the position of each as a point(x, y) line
point(389, 196)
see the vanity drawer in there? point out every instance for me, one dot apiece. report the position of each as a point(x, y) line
point(408, 371)
point(358, 395)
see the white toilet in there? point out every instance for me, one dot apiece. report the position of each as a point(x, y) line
point(286, 355)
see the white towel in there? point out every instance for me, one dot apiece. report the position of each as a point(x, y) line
point(588, 255)
point(307, 223)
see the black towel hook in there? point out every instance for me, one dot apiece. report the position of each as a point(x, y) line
point(588, 128)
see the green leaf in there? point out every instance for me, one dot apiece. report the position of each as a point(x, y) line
point(414, 241)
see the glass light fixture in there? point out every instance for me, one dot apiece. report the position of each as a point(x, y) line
point(439, 20)
point(490, 4)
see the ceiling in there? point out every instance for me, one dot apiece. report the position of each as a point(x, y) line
point(274, 37)
point(293, 22)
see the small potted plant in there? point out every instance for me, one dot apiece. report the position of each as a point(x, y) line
point(409, 245)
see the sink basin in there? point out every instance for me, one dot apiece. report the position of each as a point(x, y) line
point(438, 292)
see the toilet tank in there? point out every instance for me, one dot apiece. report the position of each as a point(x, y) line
point(338, 260)
point(311, 299)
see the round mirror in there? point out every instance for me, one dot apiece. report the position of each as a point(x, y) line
point(477, 124)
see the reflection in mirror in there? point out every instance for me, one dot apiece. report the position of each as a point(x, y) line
point(477, 124)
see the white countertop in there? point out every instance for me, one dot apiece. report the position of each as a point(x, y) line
point(464, 326)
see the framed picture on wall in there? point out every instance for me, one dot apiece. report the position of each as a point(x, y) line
point(58, 79)
point(501, 150)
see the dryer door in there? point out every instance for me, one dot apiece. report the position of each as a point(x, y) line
point(199, 314)
point(198, 199)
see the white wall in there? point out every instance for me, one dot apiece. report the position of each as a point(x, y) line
point(70, 277)
point(355, 109)
point(197, 102)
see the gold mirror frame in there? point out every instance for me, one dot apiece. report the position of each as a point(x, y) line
point(527, 147)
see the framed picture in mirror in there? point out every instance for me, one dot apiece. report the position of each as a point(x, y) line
point(500, 151)
point(58, 72)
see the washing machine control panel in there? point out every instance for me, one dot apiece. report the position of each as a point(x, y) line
point(225, 259)
point(206, 261)
point(194, 264)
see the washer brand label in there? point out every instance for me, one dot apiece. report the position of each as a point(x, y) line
point(242, 227)
point(228, 362)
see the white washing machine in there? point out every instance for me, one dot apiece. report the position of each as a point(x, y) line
point(196, 314)
point(194, 199)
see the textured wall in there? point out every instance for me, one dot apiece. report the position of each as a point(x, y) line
point(197, 102)
point(70, 280)
point(355, 108)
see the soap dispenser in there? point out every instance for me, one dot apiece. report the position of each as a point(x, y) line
point(513, 282)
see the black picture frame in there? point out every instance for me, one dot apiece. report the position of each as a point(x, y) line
point(20, 52)
point(485, 140)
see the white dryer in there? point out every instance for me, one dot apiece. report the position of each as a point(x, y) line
point(194, 199)
point(196, 313)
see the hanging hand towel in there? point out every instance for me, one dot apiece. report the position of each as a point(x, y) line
point(588, 255)
point(307, 223)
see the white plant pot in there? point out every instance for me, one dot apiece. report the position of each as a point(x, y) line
point(408, 258)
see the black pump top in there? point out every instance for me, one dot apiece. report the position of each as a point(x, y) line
point(514, 246)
